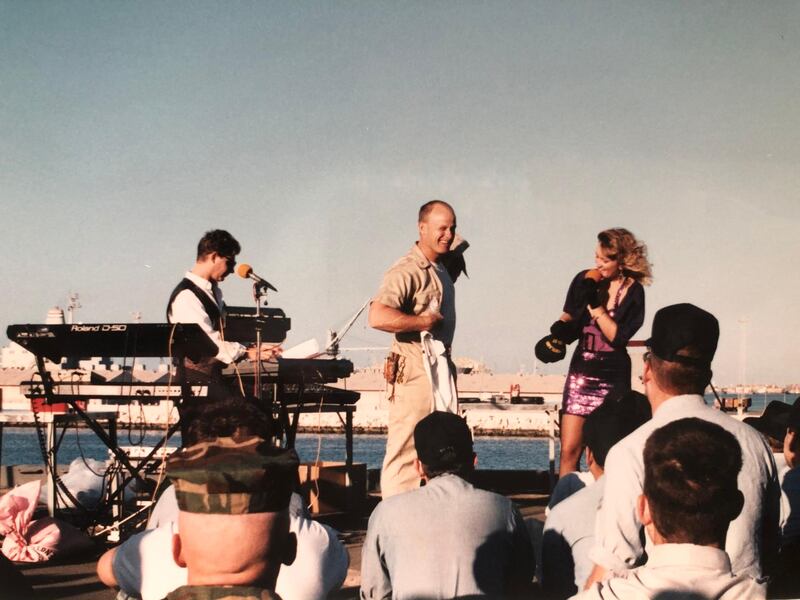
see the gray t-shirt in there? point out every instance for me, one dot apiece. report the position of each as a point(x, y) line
point(445, 540)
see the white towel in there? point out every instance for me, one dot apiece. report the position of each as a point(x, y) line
point(437, 366)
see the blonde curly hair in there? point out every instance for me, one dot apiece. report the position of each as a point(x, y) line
point(621, 245)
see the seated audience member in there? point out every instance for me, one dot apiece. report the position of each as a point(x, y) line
point(569, 529)
point(690, 497)
point(772, 424)
point(446, 539)
point(785, 583)
point(778, 423)
point(220, 416)
point(790, 481)
point(577, 480)
point(569, 484)
point(677, 370)
point(233, 525)
point(142, 566)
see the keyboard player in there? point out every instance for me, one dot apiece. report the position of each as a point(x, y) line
point(198, 299)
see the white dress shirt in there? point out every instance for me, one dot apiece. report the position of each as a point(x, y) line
point(187, 308)
point(679, 571)
point(617, 530)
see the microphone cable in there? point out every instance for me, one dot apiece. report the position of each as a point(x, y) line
point(167, 417)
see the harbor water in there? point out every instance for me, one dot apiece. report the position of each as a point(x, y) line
point(759, 401)
point(21, 446)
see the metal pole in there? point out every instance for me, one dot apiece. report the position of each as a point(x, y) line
point(257, 292)
point(348, 440)
point(551, 446)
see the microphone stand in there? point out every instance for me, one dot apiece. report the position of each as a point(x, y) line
point(259, 291)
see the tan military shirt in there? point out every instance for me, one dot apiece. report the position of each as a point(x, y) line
point(412, 286)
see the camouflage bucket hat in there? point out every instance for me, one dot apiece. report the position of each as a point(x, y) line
point(233, 476)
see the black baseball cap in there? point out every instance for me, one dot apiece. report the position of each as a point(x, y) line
point(773, 421)
point(686, 334)
point(442, 440)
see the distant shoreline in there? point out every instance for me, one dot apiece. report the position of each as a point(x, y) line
point(375, 430)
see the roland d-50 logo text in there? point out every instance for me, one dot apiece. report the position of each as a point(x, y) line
point(94, 328)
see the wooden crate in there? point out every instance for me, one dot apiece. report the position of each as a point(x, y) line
point(330, 486)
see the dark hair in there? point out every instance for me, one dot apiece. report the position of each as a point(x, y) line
point(614, 419)
point(457, 466)
point(678, 378)
point(443, 443)
point(225, 416)
point(775, 444)
point(426, 209)
point(219, 241)
point(690, 481)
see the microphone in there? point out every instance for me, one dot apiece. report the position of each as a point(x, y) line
point(245, 271)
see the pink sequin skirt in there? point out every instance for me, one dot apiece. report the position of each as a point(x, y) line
point(592, 377)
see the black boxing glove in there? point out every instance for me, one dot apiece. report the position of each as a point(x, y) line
point(566, 331)
point(550, 349)
point(590, 290)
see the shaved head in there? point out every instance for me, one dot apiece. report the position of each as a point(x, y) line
point(426, 209)
point(437, 228)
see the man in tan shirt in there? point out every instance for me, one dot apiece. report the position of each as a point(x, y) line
point(417, 294)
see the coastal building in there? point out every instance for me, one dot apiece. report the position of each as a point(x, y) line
point(501, 403)
point(14, 356)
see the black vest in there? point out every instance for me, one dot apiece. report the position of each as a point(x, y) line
point(211, 307)
point(207, 370)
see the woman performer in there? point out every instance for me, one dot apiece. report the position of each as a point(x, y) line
point(604, 309)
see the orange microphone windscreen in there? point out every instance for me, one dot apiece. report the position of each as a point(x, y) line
point(244, 270)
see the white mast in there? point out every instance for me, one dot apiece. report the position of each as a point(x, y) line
point(743, 354)
point(72, 305)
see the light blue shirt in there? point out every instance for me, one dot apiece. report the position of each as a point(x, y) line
point(567, 538)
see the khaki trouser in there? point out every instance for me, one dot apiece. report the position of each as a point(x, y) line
point(412, 403)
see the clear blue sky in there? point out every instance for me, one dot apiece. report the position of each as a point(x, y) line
point(313, 131)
